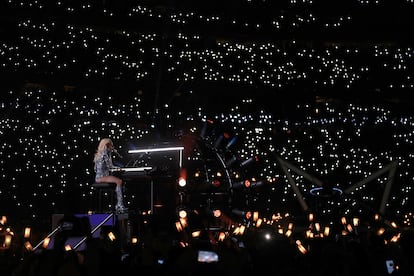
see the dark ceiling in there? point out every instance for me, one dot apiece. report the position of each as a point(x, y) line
point(315, 27)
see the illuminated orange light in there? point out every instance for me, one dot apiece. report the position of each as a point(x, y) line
point(46, 242)
point(356, 221)
point(255, 216)
point(182, 213)
point(111, 236)
point(196, 234)
point(184, 222)
point(7, 241)
point(27, 232)
point(326, 231)
point(380, 231)
point(301, 248)
point(178, 226)
point(28, 246)
point(182, 182)
point(288, 233)
point(317, 226)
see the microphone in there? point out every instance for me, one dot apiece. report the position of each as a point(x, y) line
point(117, 153)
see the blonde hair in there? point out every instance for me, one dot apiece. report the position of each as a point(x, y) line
point(103, 145)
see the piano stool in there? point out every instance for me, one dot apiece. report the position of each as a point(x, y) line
point(104, 197)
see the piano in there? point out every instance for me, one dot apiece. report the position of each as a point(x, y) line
point(156, 162)
point(150, 176)
point(130, 173)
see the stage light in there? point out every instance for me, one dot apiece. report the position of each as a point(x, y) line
point(182, 213)
point(247, 184)
point(182, 179)
point(249, 162)
point(182, 182)
point(255, 184)
point(231, 142)
point(220, 139)
point(206, 129)
point(179, 148)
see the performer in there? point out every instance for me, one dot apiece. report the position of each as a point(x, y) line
point(103, 166)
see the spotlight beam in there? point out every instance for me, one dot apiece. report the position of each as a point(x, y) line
point(285, 165)
point(391, 168)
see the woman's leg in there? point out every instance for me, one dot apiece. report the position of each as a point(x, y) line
point(119, 208)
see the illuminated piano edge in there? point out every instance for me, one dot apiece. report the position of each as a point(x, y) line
point(133, 169)
point(155, 149)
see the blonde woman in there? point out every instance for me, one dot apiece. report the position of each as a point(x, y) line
point(103, 166)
